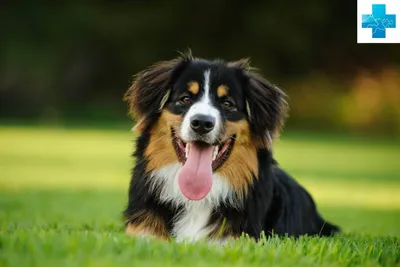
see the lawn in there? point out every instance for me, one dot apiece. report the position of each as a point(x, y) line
point(62, 192)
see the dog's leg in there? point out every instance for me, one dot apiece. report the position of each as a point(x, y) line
point(147, 225)
point(146, 233)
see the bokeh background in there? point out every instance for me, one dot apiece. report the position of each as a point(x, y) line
point(74, 60)
point(65, 135)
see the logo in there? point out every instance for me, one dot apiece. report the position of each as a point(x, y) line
point(378, 21)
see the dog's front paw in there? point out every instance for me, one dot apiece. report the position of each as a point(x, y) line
point(145, 233)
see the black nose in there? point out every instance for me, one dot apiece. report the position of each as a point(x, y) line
point(202, 124)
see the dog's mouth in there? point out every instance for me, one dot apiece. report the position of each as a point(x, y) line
point(199, 161)
point(220, 152)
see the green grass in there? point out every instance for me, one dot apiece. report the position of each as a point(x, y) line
point(62, 192)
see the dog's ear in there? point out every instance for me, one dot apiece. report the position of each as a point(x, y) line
point(151, 88)
point(266, 104)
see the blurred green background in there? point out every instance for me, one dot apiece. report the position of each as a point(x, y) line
point(65, 139)
point(72, 61)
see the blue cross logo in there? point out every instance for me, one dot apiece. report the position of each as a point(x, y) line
point(378, 21)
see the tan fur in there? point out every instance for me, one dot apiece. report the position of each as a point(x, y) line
point(239, 168)
point(222, 91)
point(140, 126)
point(242, 163)
point(148, 224)
point(194, 87)
point(160, 150)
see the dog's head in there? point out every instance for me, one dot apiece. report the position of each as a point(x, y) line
point(211, 116)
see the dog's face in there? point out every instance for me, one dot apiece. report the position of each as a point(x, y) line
point(206, 97)
point(211, 116)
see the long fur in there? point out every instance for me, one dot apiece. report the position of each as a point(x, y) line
point(252, 194)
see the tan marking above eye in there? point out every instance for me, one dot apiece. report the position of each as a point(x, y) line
point(222, 91)
point(193, 87)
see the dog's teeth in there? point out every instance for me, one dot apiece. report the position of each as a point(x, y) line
point(215, 153)
point(187, 150)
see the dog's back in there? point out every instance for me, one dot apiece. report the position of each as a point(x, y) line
point(294, 210)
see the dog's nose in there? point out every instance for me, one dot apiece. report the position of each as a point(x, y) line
point(202, 124)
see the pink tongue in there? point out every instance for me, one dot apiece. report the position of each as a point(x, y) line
point(195, 177)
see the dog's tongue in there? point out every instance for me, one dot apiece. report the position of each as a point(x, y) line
point(195, 177)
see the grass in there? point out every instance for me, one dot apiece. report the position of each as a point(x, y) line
point(62, 192)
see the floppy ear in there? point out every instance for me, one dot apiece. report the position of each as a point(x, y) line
point(151, 88)
point(265, 105)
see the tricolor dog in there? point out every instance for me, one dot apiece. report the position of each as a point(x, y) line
point(204, 167)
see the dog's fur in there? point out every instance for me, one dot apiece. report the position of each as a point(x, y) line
point(250, 193)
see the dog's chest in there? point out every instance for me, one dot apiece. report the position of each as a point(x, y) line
point(192, 224)
point(193, 221)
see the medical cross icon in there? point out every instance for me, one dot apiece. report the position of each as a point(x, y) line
point(378, 21)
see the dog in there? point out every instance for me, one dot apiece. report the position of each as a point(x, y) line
point(204, 167)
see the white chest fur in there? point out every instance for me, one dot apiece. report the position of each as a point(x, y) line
point(192, 222)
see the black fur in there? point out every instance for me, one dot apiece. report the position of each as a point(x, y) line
point(275, 202)
point(267, 102)
point(140, 197)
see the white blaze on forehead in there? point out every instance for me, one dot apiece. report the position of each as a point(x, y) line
point(204, 107)
point(206, 96)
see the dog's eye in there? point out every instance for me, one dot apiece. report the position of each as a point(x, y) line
point(228, 105)
point(186, 100)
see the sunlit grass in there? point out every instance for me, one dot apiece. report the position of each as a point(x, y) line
point(62, 193)
point(355, 173)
